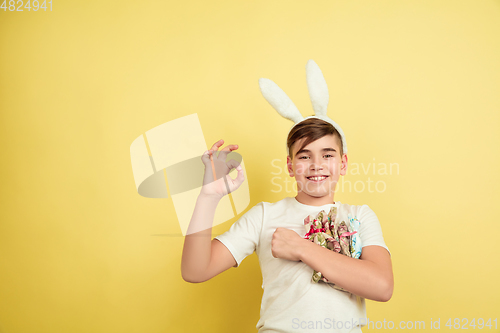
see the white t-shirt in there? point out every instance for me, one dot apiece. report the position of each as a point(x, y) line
point(291, 302)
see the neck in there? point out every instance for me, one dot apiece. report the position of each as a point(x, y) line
point(309, 200)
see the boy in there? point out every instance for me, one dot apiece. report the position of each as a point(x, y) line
point(291, 302)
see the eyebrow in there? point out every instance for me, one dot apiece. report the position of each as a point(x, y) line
point(308, 151)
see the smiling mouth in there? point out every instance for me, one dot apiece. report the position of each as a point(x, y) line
point(317, 179)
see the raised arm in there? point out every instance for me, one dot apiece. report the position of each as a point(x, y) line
point(202, 257)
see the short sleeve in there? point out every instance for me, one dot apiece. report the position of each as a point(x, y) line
point(242, 238)
point(370, 230)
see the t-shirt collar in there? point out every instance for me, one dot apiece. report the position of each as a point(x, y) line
point(295, 202)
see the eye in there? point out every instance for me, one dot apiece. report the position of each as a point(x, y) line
point(304, 157)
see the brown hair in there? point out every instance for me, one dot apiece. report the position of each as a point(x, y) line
point(312, 129)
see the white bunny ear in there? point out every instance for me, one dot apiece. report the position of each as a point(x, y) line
point(318, 90)
point(279, 100)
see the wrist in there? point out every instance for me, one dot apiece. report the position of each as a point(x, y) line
point(302, 250)
point(209, 197)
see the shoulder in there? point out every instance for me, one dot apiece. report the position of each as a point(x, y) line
point(267, 210)
point(361, 214)
point(256, 210)
point(356, 210)
point(269, 206)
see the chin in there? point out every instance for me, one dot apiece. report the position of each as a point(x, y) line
point(318, 195)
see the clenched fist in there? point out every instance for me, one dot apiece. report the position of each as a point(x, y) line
point(287, 244)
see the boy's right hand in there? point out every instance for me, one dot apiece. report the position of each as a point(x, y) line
point(223, 184)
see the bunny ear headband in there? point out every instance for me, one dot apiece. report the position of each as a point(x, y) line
point(318, 92)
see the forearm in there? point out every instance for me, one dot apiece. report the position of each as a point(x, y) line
point(197, 243)
point(360, 277)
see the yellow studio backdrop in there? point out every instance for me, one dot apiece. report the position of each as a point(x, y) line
point(414, 85)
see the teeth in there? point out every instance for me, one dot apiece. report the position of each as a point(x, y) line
point(316, 178)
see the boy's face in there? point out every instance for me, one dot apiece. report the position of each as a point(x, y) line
point(320, 158)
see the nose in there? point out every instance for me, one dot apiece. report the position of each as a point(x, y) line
point(316, 164)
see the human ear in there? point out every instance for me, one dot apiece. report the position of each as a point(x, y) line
point(289, 166)
point(343, 168)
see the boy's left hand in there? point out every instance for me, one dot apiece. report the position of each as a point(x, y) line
point(286, 244)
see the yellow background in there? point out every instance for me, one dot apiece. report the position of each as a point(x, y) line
point(411, 82)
